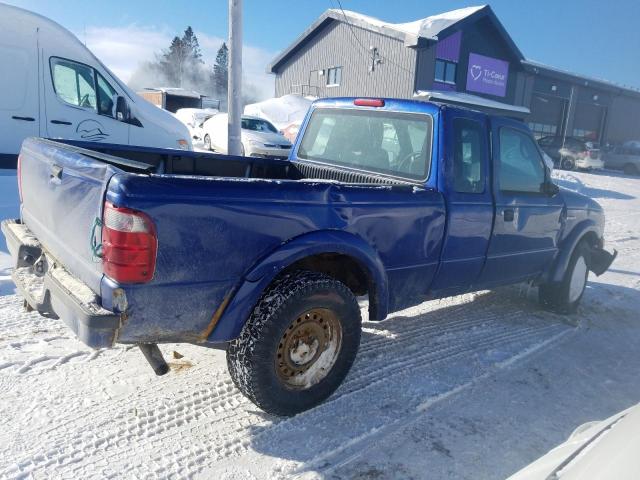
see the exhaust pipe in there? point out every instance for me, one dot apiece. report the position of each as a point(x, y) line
point(154, 356)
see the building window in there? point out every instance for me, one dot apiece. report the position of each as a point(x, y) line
point(586, 134)
point(334, 76)
point(540, 130)
point(445, 71)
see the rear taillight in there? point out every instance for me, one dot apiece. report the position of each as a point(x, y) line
point(129, 245)
point(19, 175)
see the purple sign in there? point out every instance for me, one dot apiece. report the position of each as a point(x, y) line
point(487, 75)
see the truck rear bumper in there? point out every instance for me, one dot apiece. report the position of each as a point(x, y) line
point(48, 288)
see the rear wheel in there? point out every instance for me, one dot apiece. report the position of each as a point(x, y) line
point(564, 296)
point(207, 142)
point(567, 163)
point(630, 169)
point(298, 344)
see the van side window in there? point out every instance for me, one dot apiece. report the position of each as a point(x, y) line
point(468, 175)
point(74, 82)
point(106, 96)
point(520, 166)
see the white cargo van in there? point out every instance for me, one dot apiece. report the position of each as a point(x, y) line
point(52, 86)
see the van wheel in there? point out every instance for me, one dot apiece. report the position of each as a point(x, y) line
point(564, 297)
point(567, 163)
point(207, 142)
point(630, 169)
point(298, 344)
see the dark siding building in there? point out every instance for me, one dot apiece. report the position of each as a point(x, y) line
point(461, 57)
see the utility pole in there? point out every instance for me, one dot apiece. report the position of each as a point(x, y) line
point(234, 92)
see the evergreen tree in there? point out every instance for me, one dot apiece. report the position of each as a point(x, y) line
point(190, 40)
point(180, 62)
point(221, 71)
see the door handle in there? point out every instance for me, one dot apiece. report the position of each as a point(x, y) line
point(26, 119)
point(508, 214)
point(60, 122)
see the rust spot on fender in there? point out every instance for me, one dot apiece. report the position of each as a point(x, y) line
point(216, 317)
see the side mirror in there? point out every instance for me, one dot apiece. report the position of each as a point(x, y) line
point(122, 111)
point(550, 188)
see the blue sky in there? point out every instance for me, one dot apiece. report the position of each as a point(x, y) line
point(592, 37)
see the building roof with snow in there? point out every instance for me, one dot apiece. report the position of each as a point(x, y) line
point(413, 34)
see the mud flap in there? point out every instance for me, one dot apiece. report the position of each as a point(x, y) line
point(600, 260)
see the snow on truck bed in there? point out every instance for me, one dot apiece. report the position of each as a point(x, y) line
point(475, 386)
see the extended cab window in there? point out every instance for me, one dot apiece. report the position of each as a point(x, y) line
point(392, 143)
point(520, 168)
point(468, 175)
point(74, 82)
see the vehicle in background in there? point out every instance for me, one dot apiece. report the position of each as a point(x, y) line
point(194, 119)
point(625, 157)
point(260, 138)
point(572, 153)
point(286, 113)
point(51, 85)
point(173, 99)
point(606, 449)
point(400, 200)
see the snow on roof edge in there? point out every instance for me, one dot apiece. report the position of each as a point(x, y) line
point(427, 27)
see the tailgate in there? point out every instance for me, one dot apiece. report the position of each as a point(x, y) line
point(62, 197)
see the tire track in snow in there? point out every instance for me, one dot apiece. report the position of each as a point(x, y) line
point(177, 422)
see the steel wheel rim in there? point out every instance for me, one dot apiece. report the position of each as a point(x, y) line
point(578, 279)
point(308, 349)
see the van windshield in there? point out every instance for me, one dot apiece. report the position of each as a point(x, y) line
point(392, 143)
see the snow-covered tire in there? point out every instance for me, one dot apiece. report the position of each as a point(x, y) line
point(564, 297)
point(259, 358)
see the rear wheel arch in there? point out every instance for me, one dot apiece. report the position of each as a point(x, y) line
point(340, 255)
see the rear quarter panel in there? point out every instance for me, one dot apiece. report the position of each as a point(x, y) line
point(212, 231)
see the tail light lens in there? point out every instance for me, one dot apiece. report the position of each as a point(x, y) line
point(129, 245)
point(19, 174)
point(369, 102)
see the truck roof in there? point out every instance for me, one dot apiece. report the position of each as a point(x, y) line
point(430, 106)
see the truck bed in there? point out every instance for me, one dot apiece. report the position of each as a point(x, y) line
point(177, 162)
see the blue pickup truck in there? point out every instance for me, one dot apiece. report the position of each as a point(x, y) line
point(398, 200)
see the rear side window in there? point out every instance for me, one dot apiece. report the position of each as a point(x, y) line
point(74, 83)
point(520, 167)
point(392, 143)
point(468, 171)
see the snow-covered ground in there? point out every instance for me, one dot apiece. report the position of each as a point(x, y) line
point(474, 386)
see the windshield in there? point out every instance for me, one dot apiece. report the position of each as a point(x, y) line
point(393, 143)
point(258, 125)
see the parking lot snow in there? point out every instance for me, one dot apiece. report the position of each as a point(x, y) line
point(474, 386)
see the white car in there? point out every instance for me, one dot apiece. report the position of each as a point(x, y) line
point(259, 137)
point(595, 450)
point(194, 119)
